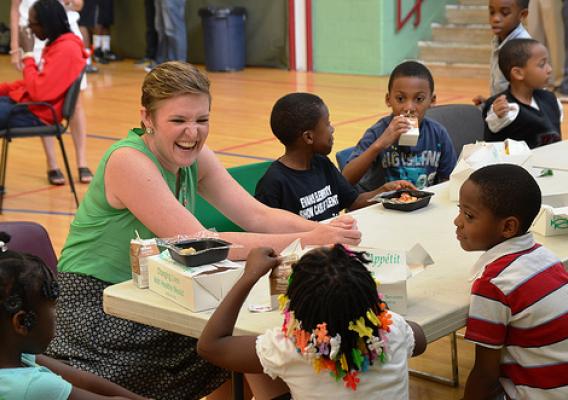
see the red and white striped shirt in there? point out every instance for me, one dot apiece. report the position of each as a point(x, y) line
point(520, 304)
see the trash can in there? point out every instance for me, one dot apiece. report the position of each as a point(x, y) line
point(224, 37)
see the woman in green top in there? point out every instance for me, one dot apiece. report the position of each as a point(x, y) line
point(147, 183)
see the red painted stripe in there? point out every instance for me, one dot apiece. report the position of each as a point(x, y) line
point(291, 35)
point(346, 122)
point(546, 377)
point(538, 287)
point(240, 146)
point(309, 38)
point(350, 121)
point(542, 335)
point(485, 332)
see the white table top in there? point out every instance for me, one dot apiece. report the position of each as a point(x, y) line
point(438, 298)
point(554, 156)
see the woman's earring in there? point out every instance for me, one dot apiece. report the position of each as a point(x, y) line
point(149, 131)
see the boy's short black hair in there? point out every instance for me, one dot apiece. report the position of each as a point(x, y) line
point(294, 114)
point(509, 190)
point(515, 53)
point(523, 4)
point(411, 69)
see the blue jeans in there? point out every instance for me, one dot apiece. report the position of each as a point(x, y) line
point(172, 32)
point(22, 118)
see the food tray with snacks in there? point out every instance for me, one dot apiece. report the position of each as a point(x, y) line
point(196, 252)
point(404, 199)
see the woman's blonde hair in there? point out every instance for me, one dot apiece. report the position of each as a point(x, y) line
point(172, 79)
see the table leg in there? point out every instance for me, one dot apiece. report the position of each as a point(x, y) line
point(238, 386)
point(454, 380)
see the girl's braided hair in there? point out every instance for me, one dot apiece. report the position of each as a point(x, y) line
point(333, 285)
point(23, 277)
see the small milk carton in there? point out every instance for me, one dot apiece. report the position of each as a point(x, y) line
point(140, 250)
point(410, 137)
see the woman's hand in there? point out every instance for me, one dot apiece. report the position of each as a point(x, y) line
point(396, 185)
point(329, 234)
point(259, 261)
point(16, 59)
point(344, 221)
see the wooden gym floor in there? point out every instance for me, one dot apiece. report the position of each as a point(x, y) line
point(239, 134)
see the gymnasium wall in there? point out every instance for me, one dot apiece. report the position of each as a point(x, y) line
point(349, 36)
point(266, 29)
point(360, 36)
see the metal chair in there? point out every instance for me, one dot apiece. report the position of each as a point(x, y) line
point(57, 130)
point(342, 156)
point(247, 176)
point(30, 237)
point(464, 123)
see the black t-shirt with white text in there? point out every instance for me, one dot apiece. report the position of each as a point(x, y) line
point(318, 193)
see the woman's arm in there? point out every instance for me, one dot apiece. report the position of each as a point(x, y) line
point(217, 343)
point(133, 181)
point(15, 34)
point(224, 193)
point(221, 190)
point(89, 383)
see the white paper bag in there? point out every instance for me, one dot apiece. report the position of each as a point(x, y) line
point(481, 154)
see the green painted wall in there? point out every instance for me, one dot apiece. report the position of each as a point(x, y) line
point(346, 36)
point(359, 36)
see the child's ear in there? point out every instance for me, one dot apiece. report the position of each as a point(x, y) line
point(17, 322)
point(511, 226)
point(308, 137)
point(518, 73)
point(433, 100)
point(387, 100)
point(524, 14)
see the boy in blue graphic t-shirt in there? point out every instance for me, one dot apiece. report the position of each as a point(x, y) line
point(378, 158)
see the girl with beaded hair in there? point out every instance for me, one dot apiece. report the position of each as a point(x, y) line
point(28, 293)
point(338, 339)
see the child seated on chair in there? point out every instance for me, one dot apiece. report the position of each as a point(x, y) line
point(304, 181)
point(378, 157)
point(525, 111)
point(517, 313)
point(28, 293)
point(338, 339)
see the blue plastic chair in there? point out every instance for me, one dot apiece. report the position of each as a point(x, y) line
point(342, 156)
point(247, 176)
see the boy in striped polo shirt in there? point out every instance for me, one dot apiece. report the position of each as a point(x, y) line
point(518, 315)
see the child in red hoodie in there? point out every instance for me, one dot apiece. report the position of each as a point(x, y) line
point(62, 61)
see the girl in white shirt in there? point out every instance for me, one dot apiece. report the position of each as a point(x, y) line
point(338, 339)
